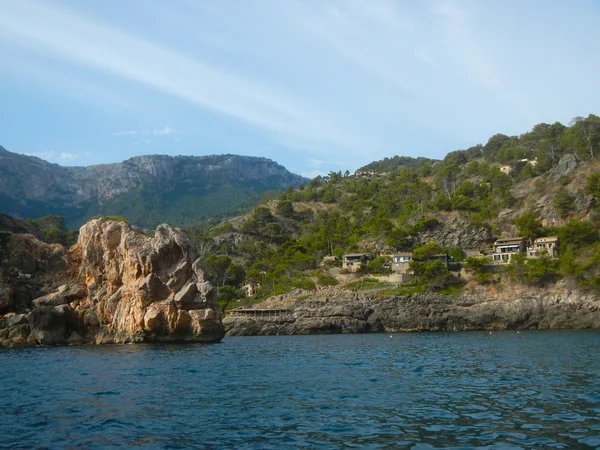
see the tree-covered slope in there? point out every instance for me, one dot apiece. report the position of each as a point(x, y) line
point(145, 190)
point(544, 182)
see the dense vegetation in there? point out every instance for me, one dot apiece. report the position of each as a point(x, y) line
point(49, 228)
point(281, 244)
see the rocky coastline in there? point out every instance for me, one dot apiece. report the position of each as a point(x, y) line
point(119, 285)
point(479, 308)
point(116, 285)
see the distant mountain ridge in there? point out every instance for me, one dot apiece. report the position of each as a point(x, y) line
point(145, 190)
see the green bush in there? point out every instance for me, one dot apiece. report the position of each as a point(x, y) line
point(326, 280)
point(116, 218)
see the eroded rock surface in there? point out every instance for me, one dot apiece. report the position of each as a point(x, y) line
point(118, 286)
point(478, 309)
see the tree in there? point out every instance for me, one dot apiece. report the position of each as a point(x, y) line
point(584, 135)
point(517, 268)
point(432, 275)
point(217, 268)
point(563, 202)
point(379, 265)
point(578, 233)
point(424, 252)
point(541, 270)
point(529, 227)
point(592, 186)
point(477, 267)
point(494, 144)
point(285, 208)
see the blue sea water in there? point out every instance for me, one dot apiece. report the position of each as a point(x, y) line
point(418, 391)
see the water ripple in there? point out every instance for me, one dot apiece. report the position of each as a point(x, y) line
point(416, 391)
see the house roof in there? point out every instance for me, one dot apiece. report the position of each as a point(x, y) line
point(512, 240)
point(403, 254)
point(350, 255)
point(547, 239)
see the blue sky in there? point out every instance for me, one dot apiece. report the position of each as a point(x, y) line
point(316, 85)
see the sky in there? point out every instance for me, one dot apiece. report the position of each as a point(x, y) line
point(316, 85)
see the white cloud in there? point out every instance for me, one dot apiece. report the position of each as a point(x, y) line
point(54, 156)
point(312, 173)
point(42, 155)
point(66, 156)
point(158, 132)
point(163, 131)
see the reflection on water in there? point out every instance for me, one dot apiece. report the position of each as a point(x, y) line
point(419, 391)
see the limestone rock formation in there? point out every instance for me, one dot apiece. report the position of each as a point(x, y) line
point(122, 286)
point(477, 309)
point(457, 232)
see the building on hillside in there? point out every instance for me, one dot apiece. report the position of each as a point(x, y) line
point(532, 162)
point(506, 169)
point(250, 289)
point(506, 248)
point(401, 262)
point(544, 245)
point(354, 261)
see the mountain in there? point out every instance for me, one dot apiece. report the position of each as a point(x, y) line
point(145, 190)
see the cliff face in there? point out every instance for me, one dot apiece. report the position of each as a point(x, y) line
point(477, 309)
point(146, 189)
point(120, 286)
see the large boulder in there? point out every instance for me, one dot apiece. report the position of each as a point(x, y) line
point(49, 325)
point(65, 295)
point(565, 166)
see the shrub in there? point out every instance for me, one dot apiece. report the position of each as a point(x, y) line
point(116, 218)
point(326, 280)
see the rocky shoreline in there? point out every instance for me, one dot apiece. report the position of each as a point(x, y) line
point(477, 309)
point(119, 285)
point(116, 285)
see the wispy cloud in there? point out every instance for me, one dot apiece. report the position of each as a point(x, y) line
point(44, 27)
point(66, 156)
point(423, 56)
point(163, 131)
point(55, 156)
point(158, 132)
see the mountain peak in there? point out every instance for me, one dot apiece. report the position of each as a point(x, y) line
point(147, 189)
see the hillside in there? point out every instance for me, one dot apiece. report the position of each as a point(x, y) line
point(541, 183)
point(146, 190)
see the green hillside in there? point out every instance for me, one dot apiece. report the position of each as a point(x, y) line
point(544, 182)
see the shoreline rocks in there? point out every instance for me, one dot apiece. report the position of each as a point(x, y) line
point(475, 310)
point(121, 286)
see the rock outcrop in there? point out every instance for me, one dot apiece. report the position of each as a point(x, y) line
point(456, 231)
point(119, 286)
point(477, 309)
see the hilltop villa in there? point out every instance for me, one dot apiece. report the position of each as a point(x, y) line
point(547, 245)
point(505, 248)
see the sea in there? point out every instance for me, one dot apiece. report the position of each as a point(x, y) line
point(421, 391)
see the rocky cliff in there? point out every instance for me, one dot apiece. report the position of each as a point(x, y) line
point(146, 189)
point(478, 309)
point(115, 285)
